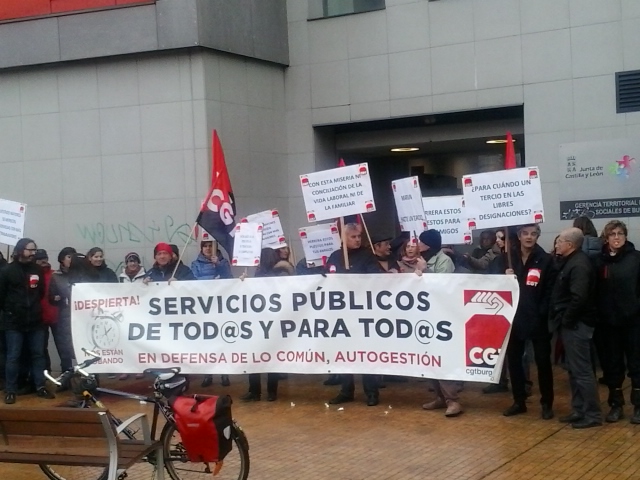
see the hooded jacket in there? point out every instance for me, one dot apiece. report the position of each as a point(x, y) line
point(163, 274)
point(440, 263)
point(618, 285)
point(22, 289)
point(592, 246)
point(205, 269)
point(138, 277)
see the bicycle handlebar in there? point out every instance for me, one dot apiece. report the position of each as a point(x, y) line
point(76, 369)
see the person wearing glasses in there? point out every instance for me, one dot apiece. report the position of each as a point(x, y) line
point(618, 294)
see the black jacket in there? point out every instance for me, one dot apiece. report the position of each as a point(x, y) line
point(60, 286)
point(361, 260)
point(573, 297)
point(106, 275)
point(592, 246)
point(163, 274)
point(22, 288)
point(536, 279)
point(618, 286)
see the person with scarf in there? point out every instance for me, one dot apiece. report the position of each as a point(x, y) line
point(133, 270)
point(96, 260)
point(382, 251)
point(409, 255)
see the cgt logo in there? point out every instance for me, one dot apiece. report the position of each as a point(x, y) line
point(485, 332)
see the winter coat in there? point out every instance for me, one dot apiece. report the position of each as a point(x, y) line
point(592, 246)
point(573, 295)
point(49, 312)
point(618, 286)
point(60, 286)
point(303, 269)
point(440, 263)
point(536, 278)
point(280, 269)
point(22, 288)
point(483, 262)
point(205, 269)
point(163, 274)
point(106, 275)
point(361, 260)
point(138, 277)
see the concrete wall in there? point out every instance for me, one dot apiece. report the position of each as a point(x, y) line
point(557, 57)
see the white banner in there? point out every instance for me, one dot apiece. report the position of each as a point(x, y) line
point(503, 198)
point(319, 242)
point(447, 215)
point(447, 326)
point(247, 245)
point(272, 232)
point(11, 221)
point(406, 193)
point(337, 192)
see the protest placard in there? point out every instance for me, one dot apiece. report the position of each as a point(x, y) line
point(247, 245)
point(447, 215)
point(272, 232)
point(406, 193)
point(435, 326)
point(11, 221)
point(318, 242)
point(503, 198)
point(337, 192)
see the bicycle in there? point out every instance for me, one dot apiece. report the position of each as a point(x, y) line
point(167, 383)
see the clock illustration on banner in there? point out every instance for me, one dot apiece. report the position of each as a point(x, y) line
point(104, 331)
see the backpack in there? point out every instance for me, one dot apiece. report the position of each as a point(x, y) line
point(204, 423)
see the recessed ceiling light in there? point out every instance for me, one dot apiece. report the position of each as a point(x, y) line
point(498, 141)
point(405, 149)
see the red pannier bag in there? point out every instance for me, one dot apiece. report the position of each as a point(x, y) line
point(204, 423)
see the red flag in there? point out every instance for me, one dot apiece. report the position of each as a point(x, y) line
point(217, 213)
point(341, 163)
point(510, 155)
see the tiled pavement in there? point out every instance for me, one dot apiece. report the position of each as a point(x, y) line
point(298, 437)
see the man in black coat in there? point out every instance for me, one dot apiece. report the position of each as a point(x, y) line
point(22, 289)
point(573, 313)
point(361, 260)
point(165, 264)
point(535, 273)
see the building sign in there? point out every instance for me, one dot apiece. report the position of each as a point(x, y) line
point(600, 179)
point(22, 9)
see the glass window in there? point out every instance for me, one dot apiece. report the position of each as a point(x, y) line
point(335, 8)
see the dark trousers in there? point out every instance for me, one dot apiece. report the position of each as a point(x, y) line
point(16, 342)
point(542, 355)
point(621, 355)
point(369, 385)
point(255, 384)
point(64, 343)
point(584, 389)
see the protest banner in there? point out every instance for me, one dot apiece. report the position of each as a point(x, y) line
point(11, 221)
point(503, 198)
point(434, 326)
point(406, 193)
point(247, 245)
point(337, 192)
point(318, 242)
point(447, 215)
point(272, 232)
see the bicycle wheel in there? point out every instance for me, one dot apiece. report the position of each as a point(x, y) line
point(66, 472)
point(235, 466)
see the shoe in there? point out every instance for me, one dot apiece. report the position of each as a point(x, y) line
point(224, 381)
point(571, 418)
point(250, 397)
point(515, 409)
point(495, 388)
point(272, 397)
point(435, 404)
point(635, 418)
point(124, 376)
point(44, 393)
point(547, 412)
point(332, 380)
point(453, 409)
point(372, 400)
point(10, 398)
point(615, 414)
point(207, 381)
point(26, 390)
point(584, 423)
point(340, 398)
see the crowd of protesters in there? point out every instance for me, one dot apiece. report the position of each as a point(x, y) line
point(583, 296)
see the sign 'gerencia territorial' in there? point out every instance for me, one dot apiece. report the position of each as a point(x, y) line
point(434, 326)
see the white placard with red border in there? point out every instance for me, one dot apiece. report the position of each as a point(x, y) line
point(272, 232)
point(338, 192)
point(11, 221)
point(503, 198)
point(406, 193)
point(435, 326)
point(319, 242)
point(247, 245)
point(447, 215)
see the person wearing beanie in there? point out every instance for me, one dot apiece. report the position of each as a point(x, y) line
point(96, 260)
point(49, 312)
point(133, 270)
point(165, 264)
point(22, 288)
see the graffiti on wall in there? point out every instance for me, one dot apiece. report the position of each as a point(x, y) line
point(126, 232)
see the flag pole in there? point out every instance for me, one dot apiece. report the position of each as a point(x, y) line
point(343, 235)
point(193, 229)
point(364, 224)
point(509, 163)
